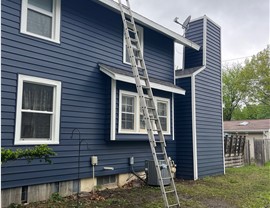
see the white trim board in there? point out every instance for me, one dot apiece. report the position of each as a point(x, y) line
point(128, 79)
point(149, 23)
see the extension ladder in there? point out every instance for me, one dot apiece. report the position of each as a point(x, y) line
point(149, 108)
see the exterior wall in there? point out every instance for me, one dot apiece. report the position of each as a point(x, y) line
point(183, 131)
point(90, 34)
point(209, 107)
point(193, 58)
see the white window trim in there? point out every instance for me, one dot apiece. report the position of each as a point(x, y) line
point(55, 124)
point(131, 94)
point(166, 100)
point(137, 129)
point(140, 30)
point(55, 20)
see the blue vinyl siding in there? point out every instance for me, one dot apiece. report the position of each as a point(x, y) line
point(209, 108)
point(90, 34)
point(192, 57)
point(183, 131)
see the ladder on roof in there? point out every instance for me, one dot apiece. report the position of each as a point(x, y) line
point(147, 105)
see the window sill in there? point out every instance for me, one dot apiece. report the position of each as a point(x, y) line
point(141, 133)
point(40, 37)
point(33, 142)
point(137, 138)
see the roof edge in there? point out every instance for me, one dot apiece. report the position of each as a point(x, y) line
point(153, 25)
point(128, 79)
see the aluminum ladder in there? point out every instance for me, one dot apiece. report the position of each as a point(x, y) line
point(148, 106)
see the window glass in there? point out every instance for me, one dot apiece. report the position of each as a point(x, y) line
point(162, 113)
point(43, 4)
point(35, 125)
point(37, 97)
point(39, 24)
point(128, 105)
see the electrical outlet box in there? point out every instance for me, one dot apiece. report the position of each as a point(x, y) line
point(131, 160)
point(94, 160)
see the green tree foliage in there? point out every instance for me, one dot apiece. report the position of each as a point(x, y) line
point(38, 152)
point(246, 89)
point(234, 90)
point(257, 75)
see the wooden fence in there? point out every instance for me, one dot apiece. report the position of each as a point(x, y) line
point(234, 147)
point(240, 151)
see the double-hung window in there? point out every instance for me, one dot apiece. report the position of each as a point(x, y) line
point(38, 111)
point(134, 44)
point(131, 115)
point(41, 18)
point(128, 110)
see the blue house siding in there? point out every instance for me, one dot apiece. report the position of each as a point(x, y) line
point(192, 57)
point(183, 131)
point(86, 40)
point(209, 107)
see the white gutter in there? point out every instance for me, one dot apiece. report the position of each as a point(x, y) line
point(149, 23)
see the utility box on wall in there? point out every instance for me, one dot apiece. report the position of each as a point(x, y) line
point(151, 174)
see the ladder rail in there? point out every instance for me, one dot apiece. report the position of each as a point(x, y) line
point(150, 122)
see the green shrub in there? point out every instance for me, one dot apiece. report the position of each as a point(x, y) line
point(38, 152)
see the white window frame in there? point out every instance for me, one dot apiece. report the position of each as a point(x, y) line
point(168, 117)
point(141, 37)
point(55, 14)
point(55, 121)
point(137, 129)
point(129, 94)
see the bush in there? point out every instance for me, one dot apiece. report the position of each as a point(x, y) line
point(38, 152)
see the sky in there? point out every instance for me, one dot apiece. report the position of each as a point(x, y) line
point(244, 24)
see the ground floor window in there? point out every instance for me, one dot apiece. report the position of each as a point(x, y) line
point(131, 114)
point(38, 111)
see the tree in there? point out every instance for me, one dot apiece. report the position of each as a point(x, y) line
point(246, 89)
point(234, 90)
point(257, 76)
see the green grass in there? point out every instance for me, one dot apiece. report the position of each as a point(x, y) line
point(245, 187)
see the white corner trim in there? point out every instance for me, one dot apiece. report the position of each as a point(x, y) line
point(204, 39)
point(113, 109)
point(154, 26)
point(55, 122)
point(173, 129)
point(131, 80)
point(194, 129)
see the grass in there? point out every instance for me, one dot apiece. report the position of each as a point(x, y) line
point(245, 187)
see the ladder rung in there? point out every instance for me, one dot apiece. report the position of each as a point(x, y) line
point(167, 178)
point(146, 87)
point(130, 24)
point(170, 191)
point(151, 108)
point(159, 153)
point(173, 205)
point(138, 58)
point(144, 78)
point(154, 119)
point(159, 141)
point(130, 30)
point(133, 40)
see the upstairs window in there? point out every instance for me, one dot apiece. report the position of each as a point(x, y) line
point(38, 111)
point(41, 18)
point(134, 45)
